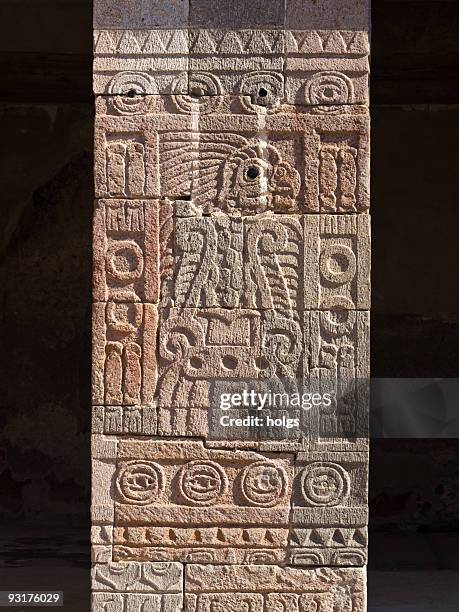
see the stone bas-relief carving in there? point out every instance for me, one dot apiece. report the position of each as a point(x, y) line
point(299, 66)
point(329, 509)
point(233, 344)
point(134, 587)
point(303, 162)
point(126, 251)
point(282, 262)
point(231, 241)
point(124, 353)
point(180, 501)
point(268, 588)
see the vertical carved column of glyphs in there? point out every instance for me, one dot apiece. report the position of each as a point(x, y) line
point(231, 241)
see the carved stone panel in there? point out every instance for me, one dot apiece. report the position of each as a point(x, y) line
point(179, 501)
point(124, 353)
point(269, 589)
point(326, 68)
point(303, 162)
point(135, 587)
point(329, 509)
point(126, 251)
point(281, 262)
point(140, 61)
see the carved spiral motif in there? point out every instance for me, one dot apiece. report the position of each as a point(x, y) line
point(325, 484)
point(130, 90)
point(205, 93)
point(263, 483)
point(264, 89)
point(140, 482)
point(329, 88)
point(202, 483)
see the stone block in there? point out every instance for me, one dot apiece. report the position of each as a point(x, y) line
point(140, 61)
point(103, 453)
point(140, 14)
point(125, 420)
point(124, 353)
point(198, 345)
point(338, 363)
point(237, 14)
point(190, 422)
point(326, 68)
point(137, 577)
point(180, 501)
point(271, 261)
point(101, 543)
point(244, 62)
point(328, 14)
point(304, 161)
point(126, 251)
point(337, 260)
point(137, 586)
point(329, 509)
point(136, 602)
point(211, 151)
point(264, 588)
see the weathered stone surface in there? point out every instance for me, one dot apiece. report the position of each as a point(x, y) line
point(336, 262)
point(269, 588)
point(181, 501)
point(232, 62)
point(136, 602)
point(124, 353)
point(126, 251)
point(328, 14)
point(137, 577)
point(329, 509)
point(325, 67)
point(187, 422)
point(237, 14)
point(338, 363)
point(141, 61)
point(272, 262)
point(196, 345)
point(117, 420)
point(305, 161)
point(101, 543)
point(141, 14)
point(103, 453)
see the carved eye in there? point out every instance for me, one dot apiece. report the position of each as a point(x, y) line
point(253, 172)
point(262, 92)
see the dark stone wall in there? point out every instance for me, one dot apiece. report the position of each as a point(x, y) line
point(46, 117)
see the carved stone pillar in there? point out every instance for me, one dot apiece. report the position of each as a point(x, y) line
point(231, 242)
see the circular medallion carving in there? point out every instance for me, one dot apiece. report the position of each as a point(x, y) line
point(329, 88)
point(140, 482)
point(263, 88)
point(205, 93)
point(325, 484)
point(202, 483)
point(124, 260)
point(132, 92)
point(263, 483)
point(337, 263)
point(131, 84)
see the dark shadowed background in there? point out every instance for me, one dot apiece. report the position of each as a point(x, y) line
point(46, 117)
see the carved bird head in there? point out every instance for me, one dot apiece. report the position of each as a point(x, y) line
point(255, 179)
